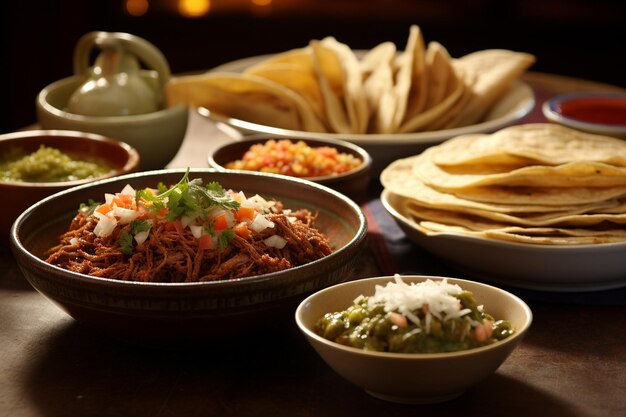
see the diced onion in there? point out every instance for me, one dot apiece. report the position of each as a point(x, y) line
point(275, 241)
point(186, 220)
point(125, 215)
point(128, 190)
point(260, 202)
point(196, 230)
point(105, 225)
point(260, 223)
point(230, 219)
point(141, 237)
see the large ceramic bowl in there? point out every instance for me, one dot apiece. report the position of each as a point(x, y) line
point(121, 157)
point(156, 135)
point(601, 113)
point(413, 378)
point(174, 313)
point(353, 183)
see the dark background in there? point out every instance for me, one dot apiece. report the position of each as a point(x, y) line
point(579, 38)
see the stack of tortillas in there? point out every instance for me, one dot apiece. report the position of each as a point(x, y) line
point(327, 87)
point(534, 183)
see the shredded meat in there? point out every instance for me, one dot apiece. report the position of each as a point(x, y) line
point(170, 256)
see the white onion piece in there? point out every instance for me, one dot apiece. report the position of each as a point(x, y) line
point(196, 230)
point(230, 219)
point(186, 220)
point(128, 190)
point(125, 215)
point(261, 203)
point(141, 237)
point(260, 223)
point(105, 225)
point(108, 198)
point(275, 241)
point(242, 197)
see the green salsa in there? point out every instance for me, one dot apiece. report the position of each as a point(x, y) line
point(371, 326)
point(48, 165)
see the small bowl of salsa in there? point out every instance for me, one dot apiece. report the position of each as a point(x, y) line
point(414, 339)
point(337, 164)
point(602, 113)
point(37, 163)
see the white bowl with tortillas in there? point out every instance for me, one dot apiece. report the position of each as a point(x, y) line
point(370, 98)
point(538, 206)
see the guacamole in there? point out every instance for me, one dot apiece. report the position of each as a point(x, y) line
point(47, 165)
point(429, 317)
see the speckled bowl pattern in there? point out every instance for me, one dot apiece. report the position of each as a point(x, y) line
point(120, 156)
point(353, 184)
point(157, 136)
point(413, 378)
point(177, 313)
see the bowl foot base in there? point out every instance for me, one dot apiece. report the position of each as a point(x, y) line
point(400, 399)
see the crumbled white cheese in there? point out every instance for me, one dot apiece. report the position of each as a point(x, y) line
point(434, 298)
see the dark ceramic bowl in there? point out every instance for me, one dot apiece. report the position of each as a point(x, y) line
point(120, 156)
point(353, 183)
point(176, 313)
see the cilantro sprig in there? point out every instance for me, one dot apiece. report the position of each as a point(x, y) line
point(188, 197)
point(126, 238)
point(89, 207)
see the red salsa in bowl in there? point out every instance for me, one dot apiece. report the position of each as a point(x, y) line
point(595, 112)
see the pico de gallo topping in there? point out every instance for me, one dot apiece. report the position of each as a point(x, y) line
point(212, 214)
point(296, 159)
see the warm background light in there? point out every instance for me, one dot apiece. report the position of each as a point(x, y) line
point(194, 8)
point(137, 7)
point(261, 2)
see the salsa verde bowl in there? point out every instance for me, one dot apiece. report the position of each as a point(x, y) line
point(120, 157)
point(413, 378)
point(185, 312)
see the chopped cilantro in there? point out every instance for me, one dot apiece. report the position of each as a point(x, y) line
point(126, 239)
point(224, 238)
point(88, 208)
point(189, 197)
point(126, 243)
point(142, 225)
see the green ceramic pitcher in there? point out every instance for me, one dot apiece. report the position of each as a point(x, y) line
point(116, 85)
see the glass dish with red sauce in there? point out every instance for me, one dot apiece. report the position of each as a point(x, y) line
point(601, 113)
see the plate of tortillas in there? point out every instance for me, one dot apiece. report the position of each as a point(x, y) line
point(388, 100)
point(538, 206)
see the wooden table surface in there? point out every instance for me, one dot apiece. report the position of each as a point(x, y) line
point(571, 364)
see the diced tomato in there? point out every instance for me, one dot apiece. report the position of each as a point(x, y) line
point(123, 200)
point(245, 213)
point(399, 320)
point(205, 242)
point(243, 231)
point(220, 222)
point(175, 225)
point(104, 208)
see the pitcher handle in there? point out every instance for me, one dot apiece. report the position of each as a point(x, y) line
point(145, 51)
